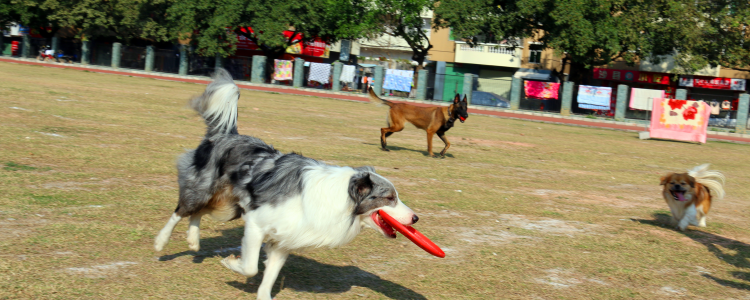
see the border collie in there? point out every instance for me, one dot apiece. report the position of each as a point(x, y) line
point(288, 201)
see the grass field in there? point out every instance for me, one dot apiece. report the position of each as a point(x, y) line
point(523, 210)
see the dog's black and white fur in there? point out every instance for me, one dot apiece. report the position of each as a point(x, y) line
point(288, 201)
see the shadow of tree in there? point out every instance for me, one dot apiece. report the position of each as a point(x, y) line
point(731, 251)
point(299, 273)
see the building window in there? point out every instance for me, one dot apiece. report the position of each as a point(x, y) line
point(535, 53)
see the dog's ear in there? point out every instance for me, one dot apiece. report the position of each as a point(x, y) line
point(456, 99)
point(665, 178)
point(366, 169)
point(360, 186)
point(464, 99)
point(691, 181)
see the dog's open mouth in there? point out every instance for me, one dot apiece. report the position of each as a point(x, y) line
point(678, 196)
point(387, 229)
point(462, 119)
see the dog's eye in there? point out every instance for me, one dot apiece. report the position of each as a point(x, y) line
point(390, 198)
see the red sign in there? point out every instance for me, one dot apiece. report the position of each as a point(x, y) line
point(631, 76)
point(14, 46)
point(316, 48)
point(713, 83)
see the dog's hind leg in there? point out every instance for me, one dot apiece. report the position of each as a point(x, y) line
point(394, 125)
point(247, 264)
point(276, 259)
point(441, 135)
point(701, 217)
point(430, 134)
point(383, 134)
point(194, 232)
point(163, 237)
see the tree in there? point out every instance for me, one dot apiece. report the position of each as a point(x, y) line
point(716, 32)
point(33, 14)
point(403, 19)
point(122, 20)
point(585, 33)
point(213, 27)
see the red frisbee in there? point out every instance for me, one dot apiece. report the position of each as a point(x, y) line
point(412, 234)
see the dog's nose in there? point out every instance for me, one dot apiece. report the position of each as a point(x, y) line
point(414, 219)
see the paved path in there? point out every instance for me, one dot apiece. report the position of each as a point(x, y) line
point(490, 111)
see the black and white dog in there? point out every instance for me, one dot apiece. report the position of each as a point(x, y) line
point(288, 201)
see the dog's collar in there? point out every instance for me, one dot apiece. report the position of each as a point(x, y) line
point(448, 114)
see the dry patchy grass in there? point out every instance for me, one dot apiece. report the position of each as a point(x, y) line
point(523, 210)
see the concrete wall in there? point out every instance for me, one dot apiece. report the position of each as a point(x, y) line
point(443, 49)
point(495, 81)
point(483, 55)
point(666, 65)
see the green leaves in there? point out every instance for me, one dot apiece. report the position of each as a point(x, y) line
point(403, 19)
point(596, 32)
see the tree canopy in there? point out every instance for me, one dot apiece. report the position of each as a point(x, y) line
point(715, 33)
point(215, 25)
point(596, 32)
point(403, 19)
point(121, 19)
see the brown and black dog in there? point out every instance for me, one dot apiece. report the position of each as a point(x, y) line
point(431, 119)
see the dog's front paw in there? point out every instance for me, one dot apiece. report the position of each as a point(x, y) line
point(233, 263)
point(682, 227)
point(194, 245)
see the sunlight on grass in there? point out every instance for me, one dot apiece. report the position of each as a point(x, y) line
point(523, 210)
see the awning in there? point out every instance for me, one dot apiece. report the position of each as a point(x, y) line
point(533, 74)
point(367, 65)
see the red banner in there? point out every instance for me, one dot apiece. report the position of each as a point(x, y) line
point(316, 48)
point(631, 76)
point(713, 83)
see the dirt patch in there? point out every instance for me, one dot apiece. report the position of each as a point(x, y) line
point(66, 186)
point(489, 236)
point(101, 271)
point(565, 278)
point(550, 226)
point(672, 291)
point(497, 143)
point(11, 228)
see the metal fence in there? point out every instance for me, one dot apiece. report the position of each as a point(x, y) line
point(166, 60)
point(133, 57)
point(201, 65)
point(101, 53)
point(239, 66)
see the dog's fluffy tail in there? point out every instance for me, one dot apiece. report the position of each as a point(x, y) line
point(218, 104)
point(374, 99)
point(713, 180)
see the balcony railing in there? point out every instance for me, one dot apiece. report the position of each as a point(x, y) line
point(501, 50)
point(489, 54)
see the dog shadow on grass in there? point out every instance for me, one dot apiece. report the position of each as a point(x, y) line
point(731, 251)
point(423, 152)
point(299, 273)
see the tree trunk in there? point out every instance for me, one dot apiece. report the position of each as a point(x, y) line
point(579, 73)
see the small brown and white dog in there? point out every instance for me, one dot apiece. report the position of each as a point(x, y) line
point(689, 195)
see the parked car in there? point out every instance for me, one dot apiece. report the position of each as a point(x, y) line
point(489, 99)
